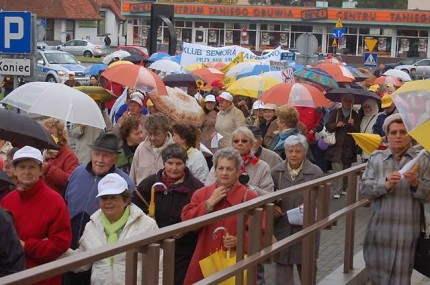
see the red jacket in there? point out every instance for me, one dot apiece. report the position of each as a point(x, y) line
point(42, 221)
point(312, 119)
point(59, 169)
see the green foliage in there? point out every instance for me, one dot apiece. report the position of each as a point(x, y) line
point(89, 59)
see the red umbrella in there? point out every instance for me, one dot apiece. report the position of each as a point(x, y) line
point(338, 71)
point(209, 74)
point(385, 80)
point(216, 65)
point(295, 94)
point(136, 77)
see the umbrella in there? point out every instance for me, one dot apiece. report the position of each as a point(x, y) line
point(136, 59)
point(120, 62)
point(295, 94)
point(358, 74)
point(4, 180)
point(181, 79)
point(23, 130)
point(413, 103)
point(385, 80)
point(95, 69)
point(367, 142)
point(276, 74)
point(209, 74)
point(360, 95)
point(136, 77)
point(317, 76)
point(195, 66)
point(116, 54)
point(252, 86)
point(158, 55)
point(180, 107)
point(339, 72)
point(166, 66)
point(58, 101)
point(241, 67)
point(256, 70)
point(96, 92)
point(176, 58)
point(399, 74)
point(216, 65)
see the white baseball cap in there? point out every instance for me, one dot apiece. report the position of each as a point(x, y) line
point(225, 96)
point(27, 152)
point(137, 97)
point(111, 184)
point(257, 105)
point(268, 106)
point(210, 98)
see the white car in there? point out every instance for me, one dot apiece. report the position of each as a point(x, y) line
point(55, 66)
point(83, 48)
point(422, 67)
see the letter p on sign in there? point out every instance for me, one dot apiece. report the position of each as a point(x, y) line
point(15, 32)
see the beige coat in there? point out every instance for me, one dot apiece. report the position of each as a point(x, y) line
point(226, 122)
point(208, 129)
point(270, 157)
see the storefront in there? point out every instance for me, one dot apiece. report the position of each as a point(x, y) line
point(399, 33)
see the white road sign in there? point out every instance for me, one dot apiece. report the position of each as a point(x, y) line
point(15, 66)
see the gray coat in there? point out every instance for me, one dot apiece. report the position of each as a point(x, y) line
point(393, 229)
point(283, 229)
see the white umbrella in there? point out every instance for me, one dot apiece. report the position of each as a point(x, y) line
point(241, 67)
point(58, 101)
point(399, 74)
point(118, 53)
point(167, 66)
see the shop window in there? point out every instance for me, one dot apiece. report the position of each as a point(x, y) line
point(216, 25)
point(407, 33)
point(352, 31)
point(424, 34)
point(252, 26)
point(49, 35)
point(364, 31)
point(263, 27)
point(179, 23)
point(186, 35)
point(412, 47)
point(189, 24)
point(201, 24)
point(301, 28)
point(101, 24)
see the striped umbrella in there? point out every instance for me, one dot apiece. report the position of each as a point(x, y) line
point(339, 72)
point(317, 76)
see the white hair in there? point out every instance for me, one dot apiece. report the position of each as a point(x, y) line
point(295, 140)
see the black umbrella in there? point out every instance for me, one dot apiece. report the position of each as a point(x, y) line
point(180, 79)
point(134, 58)
point(360, 95)
point(22, 130)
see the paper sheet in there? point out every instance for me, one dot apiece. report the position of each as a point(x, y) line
point(295, 216)
point(215, 140)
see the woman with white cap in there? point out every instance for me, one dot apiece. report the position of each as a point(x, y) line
point(208, 127)
point(116, 220)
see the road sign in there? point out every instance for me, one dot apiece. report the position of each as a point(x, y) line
point(15, 66)
point(307, 44)
point(370, 59)
point(334, 44)
point(15, 32)
point(339, 23)
point(288, 56)
point(370, 43)
point(338, 33)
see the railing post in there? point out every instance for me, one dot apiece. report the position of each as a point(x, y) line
point(131, 267)
point(308, 244)
point(240, 248)
point(150, 263)
point(168, 261)
point(351, 197)
point(254, 240)
point(268, 227)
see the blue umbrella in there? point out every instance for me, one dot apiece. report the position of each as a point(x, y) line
point(95, 69)
point(256, 70)
point(176, 58)
point(158, 55)
point(359, 76)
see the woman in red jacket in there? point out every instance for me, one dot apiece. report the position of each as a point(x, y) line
point(58, 164)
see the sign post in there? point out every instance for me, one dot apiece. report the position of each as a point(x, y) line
point(370, 59)
point(338, 34)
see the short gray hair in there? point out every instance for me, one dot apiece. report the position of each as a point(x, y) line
point(230, 154)
point(295, 140)
point(246, 132)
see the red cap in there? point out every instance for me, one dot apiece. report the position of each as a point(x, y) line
point(217, 83)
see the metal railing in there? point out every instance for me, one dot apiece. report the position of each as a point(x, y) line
point(251, 216)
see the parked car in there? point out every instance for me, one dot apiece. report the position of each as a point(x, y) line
point(135, 50)
point(44, 46)
point(83, 47)
point(55, 66)
point(422, 67)
point(405, 61)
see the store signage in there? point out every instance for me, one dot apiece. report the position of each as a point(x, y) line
point(314, 14)
point(12, 66)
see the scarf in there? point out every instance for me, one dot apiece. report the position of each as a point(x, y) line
point(294, 172)
point(112, 230)
point(169, 181)
point(247, 159)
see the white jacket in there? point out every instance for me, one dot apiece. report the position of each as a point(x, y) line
point(197, 165)
point(103, 273)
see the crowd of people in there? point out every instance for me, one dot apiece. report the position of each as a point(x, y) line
point(66, 201)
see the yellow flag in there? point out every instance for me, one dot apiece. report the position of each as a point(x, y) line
point(236, 60)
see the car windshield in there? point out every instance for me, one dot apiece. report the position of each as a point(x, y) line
point(60, 58)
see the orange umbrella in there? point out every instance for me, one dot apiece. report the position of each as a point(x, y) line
point(136, 77)
point(209, 74)
point(295, 94)
point(340, 72)
point(119, 62)
point(216, 65)
point(385, 80)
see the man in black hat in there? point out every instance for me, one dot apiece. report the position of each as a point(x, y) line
point(265, 154)
point(81, 190)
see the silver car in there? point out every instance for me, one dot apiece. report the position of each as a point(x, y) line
point(83, 47)
point(422, 68)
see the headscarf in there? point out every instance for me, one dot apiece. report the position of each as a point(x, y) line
point(369, 118)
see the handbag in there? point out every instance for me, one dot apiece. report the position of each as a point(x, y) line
point(328, 137)
point(422, 251)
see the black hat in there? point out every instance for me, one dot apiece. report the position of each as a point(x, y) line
point(106, 142)
point(256, 131)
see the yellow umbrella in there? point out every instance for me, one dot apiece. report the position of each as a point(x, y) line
point(194, 66)
point(96, 92)
point(367, 142)
point(252, 86)
point(119, 62)
point(412, 101)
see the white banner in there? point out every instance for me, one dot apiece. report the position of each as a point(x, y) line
point(195, 53)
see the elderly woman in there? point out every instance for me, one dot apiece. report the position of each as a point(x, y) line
point(59, 164)
point(228, 119)
point(147, 158)
point(116, 220)
point(186, 136)
point(41, 216)
point(296, 169)
point(180, 186)
point(251, 166)
point(370, 113)
point(394, 227)
point(131, 132)
point(224, 193)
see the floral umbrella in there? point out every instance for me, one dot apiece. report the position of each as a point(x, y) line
point(317, 76)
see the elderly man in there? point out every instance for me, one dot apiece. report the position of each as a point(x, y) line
point(393, 229)
point(81, 189)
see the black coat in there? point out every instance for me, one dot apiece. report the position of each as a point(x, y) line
point(168, 208)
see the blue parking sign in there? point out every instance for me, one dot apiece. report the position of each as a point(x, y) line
point(15, 32)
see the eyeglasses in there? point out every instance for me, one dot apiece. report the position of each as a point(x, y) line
point(400, 132)
point(240, 141)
